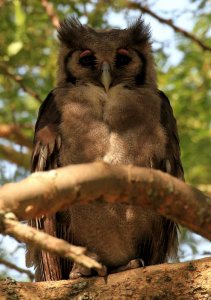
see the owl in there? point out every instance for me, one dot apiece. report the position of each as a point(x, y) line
point(106, 107)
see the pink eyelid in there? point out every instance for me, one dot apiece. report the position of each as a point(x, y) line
point(85, 53)
point(123, 51)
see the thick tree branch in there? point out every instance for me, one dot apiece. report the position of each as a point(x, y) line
point(182, 281)
point(50, 12)
point(169, 22)
point(47, 192)
point(13, 156)
point(10, 265)
point(10, 226)
point(14, 133)
point(19, 80)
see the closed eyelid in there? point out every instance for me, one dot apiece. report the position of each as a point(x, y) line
point(85, 53)
point(123, 51)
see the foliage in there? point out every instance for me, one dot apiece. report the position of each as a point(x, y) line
point(188, 86)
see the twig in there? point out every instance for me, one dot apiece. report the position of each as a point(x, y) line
point(13, 132)
point(20, 159)
point(13, 266)
point(50, 12)
point(169, 22)
point(9, 225)
point(48, 192)
point(19, 80)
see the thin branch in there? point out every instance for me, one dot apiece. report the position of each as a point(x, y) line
point(169, 22)
point(13, 156)
point(14, 133)
point(50, 12)
point(19, 80)
point(48, 192)
point(10, 265)
point(9, 225)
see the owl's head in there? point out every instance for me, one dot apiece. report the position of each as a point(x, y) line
point(105, 57)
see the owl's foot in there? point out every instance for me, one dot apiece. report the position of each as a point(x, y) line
point(133, 264)
point(81, 271)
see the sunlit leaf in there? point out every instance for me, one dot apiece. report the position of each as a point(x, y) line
point(14, 48)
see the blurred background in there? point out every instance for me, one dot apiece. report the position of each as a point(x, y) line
point(181, 36)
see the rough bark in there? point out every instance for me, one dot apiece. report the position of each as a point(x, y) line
point(47, 192)
point(182, 281)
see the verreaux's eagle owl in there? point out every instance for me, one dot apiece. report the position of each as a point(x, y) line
point(106, 106)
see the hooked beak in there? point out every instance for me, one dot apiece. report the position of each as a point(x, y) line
point(106, 75)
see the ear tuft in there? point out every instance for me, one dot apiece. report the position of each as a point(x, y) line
point(140, 32)
point(70, 30)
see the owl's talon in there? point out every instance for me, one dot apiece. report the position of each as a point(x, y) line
point(133, 264)
point(103, 271)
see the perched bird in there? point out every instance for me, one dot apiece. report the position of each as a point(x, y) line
point(106, 107)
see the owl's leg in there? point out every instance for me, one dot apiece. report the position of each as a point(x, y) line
point(80, 271)
point(133, 264)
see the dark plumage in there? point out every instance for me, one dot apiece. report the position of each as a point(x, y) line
point(106, 106)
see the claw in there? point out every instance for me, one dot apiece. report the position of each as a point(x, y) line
point(103, 271)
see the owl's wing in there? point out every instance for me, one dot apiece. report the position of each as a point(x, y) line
point(45, 156)
point(172, 163)
point(47, 141)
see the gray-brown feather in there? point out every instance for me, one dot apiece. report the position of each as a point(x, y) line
point(132, 123)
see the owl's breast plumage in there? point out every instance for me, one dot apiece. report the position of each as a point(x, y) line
point(121, 126)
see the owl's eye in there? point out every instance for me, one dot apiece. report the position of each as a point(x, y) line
point(87, 59)
point(122, 58)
